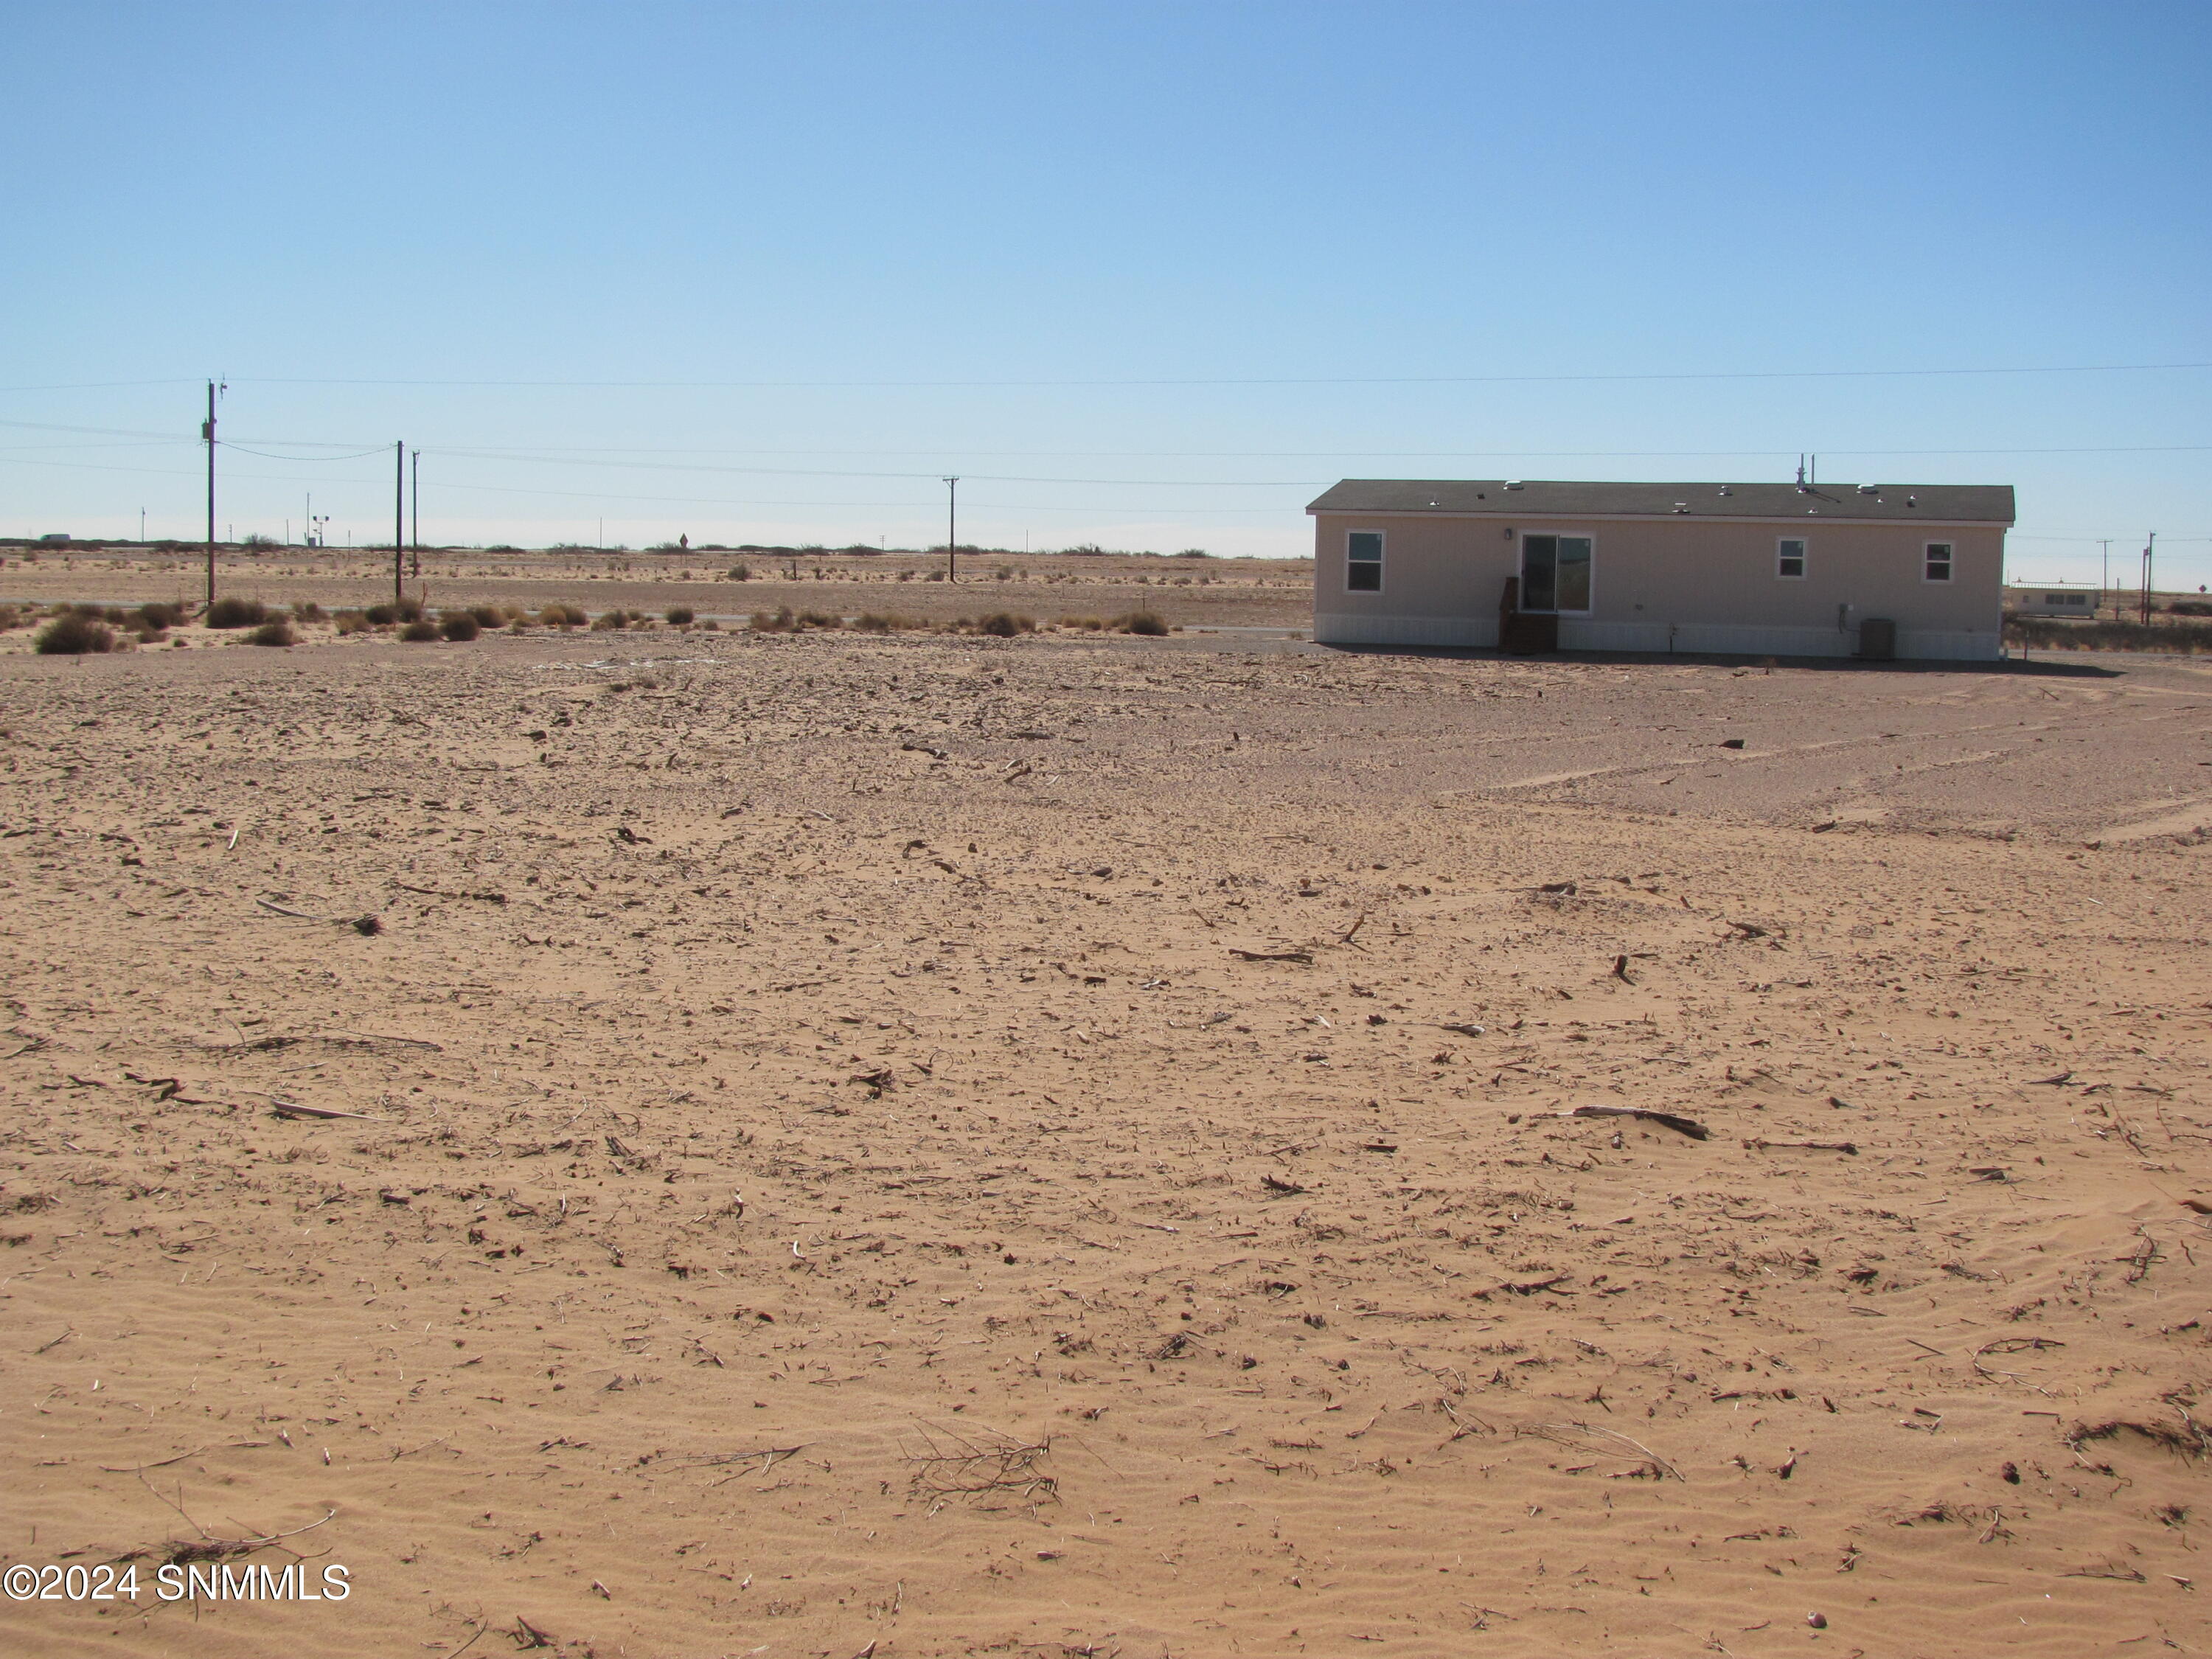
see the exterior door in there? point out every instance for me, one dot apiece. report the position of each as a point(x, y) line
point(1555, 573)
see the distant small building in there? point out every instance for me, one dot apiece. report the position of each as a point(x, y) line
point(56, 539)
point(1814, 570)
point(2053, 599)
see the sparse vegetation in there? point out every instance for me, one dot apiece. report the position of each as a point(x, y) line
point(607, 620)
point(277, 632)
point(772, 622)
point(563, 616)
point(307, 611)
point(741, 573)
point(681, 615)
point(74, 635)
point(1005, 624)
point(1140, 622)
point(459, 626)
point(2064, 633)
point(236, 613)
point(419, 632)
point(395, 610)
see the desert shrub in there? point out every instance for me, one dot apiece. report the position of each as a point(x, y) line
point(1140, 622)
point(150, 635)
point(711, 626)
point(681, 615)
point(1194, 553)
point(741, 573)
point(820, 619)
point(775, 622)
point(351, 622)
point(562, 615)
point(2190, 608)
point(488, 616)
point(273, 633)
point(236, 613)
point(394, 611)
point(1091, 624)
point(258, 543)
point(461, 626)
point(72, 635)
point(1005, 624)
point(419, 632)
point(10, 617)
point(1005, 573)
point(609, 619)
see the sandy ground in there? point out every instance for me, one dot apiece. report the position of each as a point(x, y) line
point(921, 1146)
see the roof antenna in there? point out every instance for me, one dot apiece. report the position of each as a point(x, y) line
point(1816, 471)
point(1800, 470)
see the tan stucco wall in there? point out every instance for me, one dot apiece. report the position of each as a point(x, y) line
point(1688, 573)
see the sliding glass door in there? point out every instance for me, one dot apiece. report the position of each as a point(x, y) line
point(1555, 573)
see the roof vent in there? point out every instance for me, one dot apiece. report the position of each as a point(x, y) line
point(1513, 483)
point(1869, 489)
point(1682, 507)
point(1912, 500)
point(1726, 490)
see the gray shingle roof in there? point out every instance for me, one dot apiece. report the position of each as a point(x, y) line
point(1567, 499)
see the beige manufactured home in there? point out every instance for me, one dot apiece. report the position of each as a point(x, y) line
point(1815, 570)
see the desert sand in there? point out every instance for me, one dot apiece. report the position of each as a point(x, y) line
point(927, 1145)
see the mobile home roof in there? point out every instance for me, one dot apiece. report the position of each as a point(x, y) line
point(1549, 498)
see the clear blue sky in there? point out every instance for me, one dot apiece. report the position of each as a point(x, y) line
point(894, 211)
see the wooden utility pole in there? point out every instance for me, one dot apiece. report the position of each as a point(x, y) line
point(2150, 550)
point(414, 488)
point(207, 436)
point(952, 529)
point(398, 518)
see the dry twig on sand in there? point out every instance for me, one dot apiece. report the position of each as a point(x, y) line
point(996, 1467)
point(1594, 1438)
point(1689, 1127)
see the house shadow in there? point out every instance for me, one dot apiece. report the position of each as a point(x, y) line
point(2051, 667)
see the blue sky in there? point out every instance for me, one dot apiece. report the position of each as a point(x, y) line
point(1146, 275)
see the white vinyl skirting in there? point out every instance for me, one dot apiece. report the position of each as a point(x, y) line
point(1927, 645)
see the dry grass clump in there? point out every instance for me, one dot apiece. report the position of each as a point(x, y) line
point(74, 635)
point(421, 631)
point(491, 616)
point(1139, 621)
point(608, 620)
point(236, 613)
point(820, 619)
point(459, 626)
point(395, 610)
point(879, 622)
point(681, 615)
point(563, 616)
point(1087, 624)
point(351, 621)
point(274, 632)
point(308, 611)
point(1005, 624)
point(157, 616)
point(772, 622)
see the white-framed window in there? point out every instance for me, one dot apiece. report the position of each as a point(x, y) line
point(1936, 565)
point(1555, 573)
point(1790, 558)
point(1362, 561)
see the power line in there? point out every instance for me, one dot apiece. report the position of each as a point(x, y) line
point(1181, 381)
point(1285, 380)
